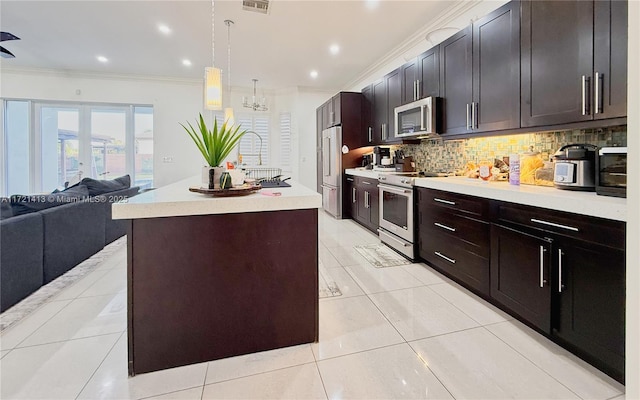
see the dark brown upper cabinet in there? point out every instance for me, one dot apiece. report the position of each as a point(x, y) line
point(393, 83)
point(610, 59)
point(574, 57)
point(375, 96)
point(420, 77)
point(456, 82)
point(429, 73)
point(480, 74)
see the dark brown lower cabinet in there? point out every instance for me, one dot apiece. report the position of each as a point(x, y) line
point(559, 272)
point(520, 270)
point(590, 303)
point(365, 205)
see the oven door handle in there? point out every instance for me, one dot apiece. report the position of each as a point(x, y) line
point(386, 235)
point(394, 189)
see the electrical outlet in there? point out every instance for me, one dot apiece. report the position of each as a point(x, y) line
point(167, 160)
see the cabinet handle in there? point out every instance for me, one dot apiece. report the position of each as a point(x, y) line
point(598, 88)
point(473, 115)
point(370, 135)
point(444, 227)
point(585, 105)
point(331, 115)
point(353, 195)
point(542, 250)
point(560, 254)
point(350, 179)
point(468, 118)
point(453, 203)
point(451, 260)
point(415, 90)
point(366, 183)
point(418, 89)
point(567, 227)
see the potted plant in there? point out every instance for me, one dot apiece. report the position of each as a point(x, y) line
point(215, 145)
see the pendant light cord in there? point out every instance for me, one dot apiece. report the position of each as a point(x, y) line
point(213, 46)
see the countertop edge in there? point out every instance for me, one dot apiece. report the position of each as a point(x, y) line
point(576, 202)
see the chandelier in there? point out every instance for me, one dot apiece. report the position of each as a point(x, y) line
point(255, 105)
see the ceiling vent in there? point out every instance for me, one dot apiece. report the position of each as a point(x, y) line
point(259, 6)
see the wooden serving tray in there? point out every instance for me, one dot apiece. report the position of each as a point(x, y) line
point(234, 191)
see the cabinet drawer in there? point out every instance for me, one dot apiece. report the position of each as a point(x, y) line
point(446, 224)
point(596, 230)
point(453, 258)
point(461, 203)
point(367, 183)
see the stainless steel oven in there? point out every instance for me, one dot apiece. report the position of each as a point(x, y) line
point(396, 213)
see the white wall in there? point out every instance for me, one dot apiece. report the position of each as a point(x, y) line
point(173, 101)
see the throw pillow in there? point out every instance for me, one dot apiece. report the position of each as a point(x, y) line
point(97, 187)
point(25, 204)
point(5, 208)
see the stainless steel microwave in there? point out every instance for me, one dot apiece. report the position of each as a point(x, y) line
point(417, 119)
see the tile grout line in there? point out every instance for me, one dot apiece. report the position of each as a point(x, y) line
point(101, 362)
point(39, 326)
point(430, 370)
point(534, 363)
point(68, 340)
point(204, 382)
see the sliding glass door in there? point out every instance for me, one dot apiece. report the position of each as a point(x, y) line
point(52, 145)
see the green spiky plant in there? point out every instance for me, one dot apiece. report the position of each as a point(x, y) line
point(214, 144)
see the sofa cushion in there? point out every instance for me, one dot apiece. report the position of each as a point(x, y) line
point(25, 204)
point(97, 187)
point(78, 191)
point(5, 208)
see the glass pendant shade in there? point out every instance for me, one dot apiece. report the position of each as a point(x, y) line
point(212, 88)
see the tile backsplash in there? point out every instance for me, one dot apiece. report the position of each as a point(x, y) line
point(450, 155)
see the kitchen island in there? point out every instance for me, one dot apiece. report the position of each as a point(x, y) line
point(209, 278)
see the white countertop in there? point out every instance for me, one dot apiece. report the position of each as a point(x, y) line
point(176, 200)
point(366, 173)
point(585, 203)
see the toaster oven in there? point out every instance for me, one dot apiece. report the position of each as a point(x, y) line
point(611, 178)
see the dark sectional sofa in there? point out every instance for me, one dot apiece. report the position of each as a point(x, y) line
point(39, 246)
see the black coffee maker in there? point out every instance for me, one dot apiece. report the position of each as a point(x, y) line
point(367, 161)
point(378, 154)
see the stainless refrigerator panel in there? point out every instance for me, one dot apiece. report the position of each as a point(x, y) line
point(332, 200)
point(332, 156)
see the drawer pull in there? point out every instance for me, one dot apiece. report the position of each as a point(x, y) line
point(567, 227)
point(451, 260)
point(444, 227)
point(452, 203)
point(366, 183)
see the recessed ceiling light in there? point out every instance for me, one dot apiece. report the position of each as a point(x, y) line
point(164, 29)
point(372, 4)
point(102, 59)
point(186, 62)
point(334, 49)
point(313, 74)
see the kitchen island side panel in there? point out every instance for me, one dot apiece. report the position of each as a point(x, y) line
point(214, 286)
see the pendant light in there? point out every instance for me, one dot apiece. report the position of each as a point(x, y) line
point(228, 111)
point(212, 75)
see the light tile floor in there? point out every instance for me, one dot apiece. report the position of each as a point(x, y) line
point(397, 332)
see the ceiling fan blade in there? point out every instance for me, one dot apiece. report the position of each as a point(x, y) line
point(4, 53)
point(8, 36)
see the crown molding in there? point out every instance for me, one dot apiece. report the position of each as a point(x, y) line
point(442, 21)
